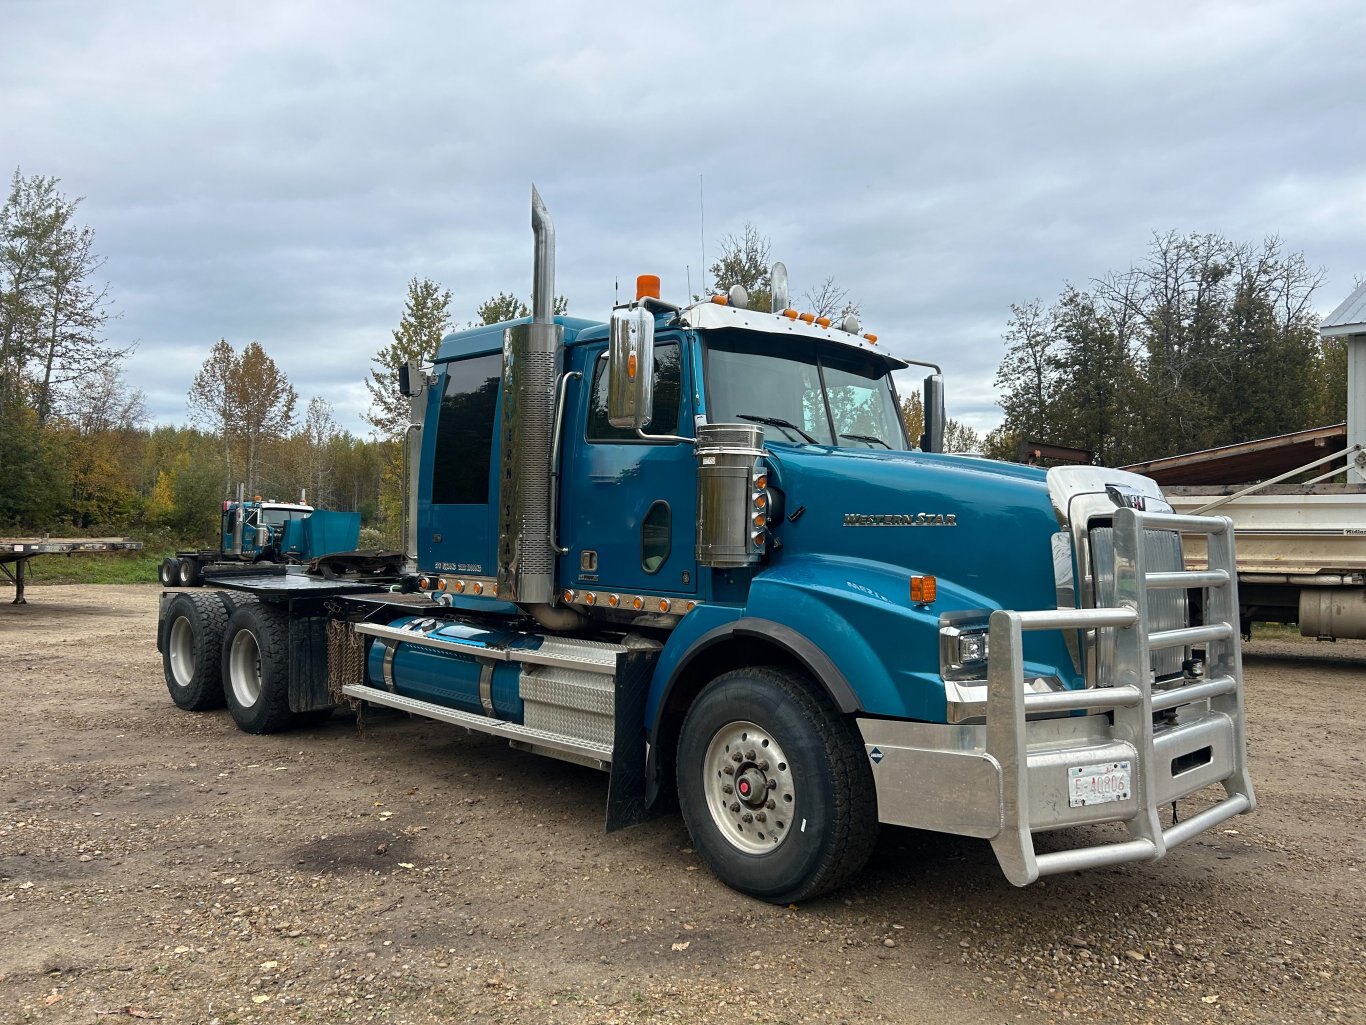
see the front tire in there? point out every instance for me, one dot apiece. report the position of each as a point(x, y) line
point(256, 668)
point(774, 786)
point(190, 656)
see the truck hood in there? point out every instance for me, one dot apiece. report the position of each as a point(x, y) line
point(985, 526)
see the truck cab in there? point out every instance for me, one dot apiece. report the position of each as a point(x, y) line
point(693, 546)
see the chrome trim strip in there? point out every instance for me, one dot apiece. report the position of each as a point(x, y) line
point(486, 688)
point(478, 723)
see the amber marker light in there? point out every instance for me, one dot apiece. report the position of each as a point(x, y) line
point(691, 605)
point(631, 366)
point(478, 588)
point(647, 286)
point(424, 583)
point(922, 590)
point(665, 604)
point(637, 603)
point(761, 481)
point(790, 314)
point(807, 318)
point(872, 339)
point(568, 597)
point(590, 598)
point(823, 321)
point(460, 587)
point(614, 600)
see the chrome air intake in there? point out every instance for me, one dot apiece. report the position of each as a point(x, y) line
point(531, 359)
point(1167, 609)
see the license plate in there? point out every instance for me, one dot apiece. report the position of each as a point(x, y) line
point(1099, 784)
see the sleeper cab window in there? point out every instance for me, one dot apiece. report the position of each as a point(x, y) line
point(464, 432)
point(668, 388)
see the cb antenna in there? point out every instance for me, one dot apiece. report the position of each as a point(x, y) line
point(702, 223)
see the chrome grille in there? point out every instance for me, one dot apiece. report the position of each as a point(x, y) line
point(1167, 609)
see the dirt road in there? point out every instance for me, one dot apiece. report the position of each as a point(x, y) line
point(160, 864)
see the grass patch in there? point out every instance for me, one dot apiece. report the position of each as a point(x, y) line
point(97, 568)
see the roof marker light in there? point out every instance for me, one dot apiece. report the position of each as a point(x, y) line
point(647, 286)
point(807, 318)
point(720, 300)
point(823, 321)
point(872, 339)
point(790, 314)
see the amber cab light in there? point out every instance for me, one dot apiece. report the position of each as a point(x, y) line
point(647, 286)
point(922, 590)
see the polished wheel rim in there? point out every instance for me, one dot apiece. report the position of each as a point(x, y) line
point(181, 649)
point(244, 667)
point(749, 787)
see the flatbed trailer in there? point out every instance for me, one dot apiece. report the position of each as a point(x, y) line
point(17, 551)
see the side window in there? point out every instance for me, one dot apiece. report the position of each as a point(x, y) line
point(668, 387)
point(464, 433)
point(656, 532)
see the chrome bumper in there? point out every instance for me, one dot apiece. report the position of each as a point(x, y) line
point(1009, 778)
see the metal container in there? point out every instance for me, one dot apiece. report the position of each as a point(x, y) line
point(727, 458)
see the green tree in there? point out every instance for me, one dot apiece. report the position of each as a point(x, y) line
point(505, 306)
point(51, 317)
point(744, 261)
point(425, 320)
point(247, 401)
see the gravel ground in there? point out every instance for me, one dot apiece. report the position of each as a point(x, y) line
point(157, 864)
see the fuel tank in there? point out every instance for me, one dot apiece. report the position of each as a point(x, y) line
point(446, 674)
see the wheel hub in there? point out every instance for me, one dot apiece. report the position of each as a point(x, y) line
point(749, 787)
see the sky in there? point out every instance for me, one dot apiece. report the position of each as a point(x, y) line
point(279, 172)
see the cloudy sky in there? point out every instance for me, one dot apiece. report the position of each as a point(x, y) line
point(279, 171)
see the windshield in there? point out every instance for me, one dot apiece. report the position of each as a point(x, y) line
point(802, 393)
point(279, 517)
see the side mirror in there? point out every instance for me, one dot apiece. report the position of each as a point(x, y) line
point(410, 379)
point(631, 369)
point(933, 438)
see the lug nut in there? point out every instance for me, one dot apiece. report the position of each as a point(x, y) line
point(770, 804)
point(729, 770)
point(773, 784)
point(735, 756)
point(746, 817)
point(727, 789)
point(761, 817)
point(763, 766)
point(734, 806)
point(749, 755)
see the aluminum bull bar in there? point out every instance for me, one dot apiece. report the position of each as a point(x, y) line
point(1199, 743)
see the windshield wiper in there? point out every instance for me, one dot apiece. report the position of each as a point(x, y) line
point(774, 421)
point(866, 437)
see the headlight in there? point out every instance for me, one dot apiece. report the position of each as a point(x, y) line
point(1167, 609)
point(963, 645)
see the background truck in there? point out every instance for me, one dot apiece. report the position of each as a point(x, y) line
point(1301, 546)
point(693, 547)
point(252, 532)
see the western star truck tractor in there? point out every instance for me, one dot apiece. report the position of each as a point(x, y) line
point(253, 532)
point(693, 547)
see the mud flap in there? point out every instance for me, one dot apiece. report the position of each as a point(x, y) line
point(626, 787)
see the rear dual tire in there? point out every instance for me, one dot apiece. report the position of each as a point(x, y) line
point(255, 670)
point(195, 625)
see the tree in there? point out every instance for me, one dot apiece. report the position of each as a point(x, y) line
point(247, 401)
point(210, 403)
point(1204, 342)
point(426, 318)
point(830, 300)
point(51, 317)
point(319, 432)
point(505, 306)
point(744, 261)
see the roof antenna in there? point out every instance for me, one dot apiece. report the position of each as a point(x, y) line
point(702, 223)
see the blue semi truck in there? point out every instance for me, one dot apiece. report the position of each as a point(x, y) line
point(693, 547)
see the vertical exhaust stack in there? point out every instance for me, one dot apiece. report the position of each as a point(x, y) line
point(237, 522)
point(531, 366)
